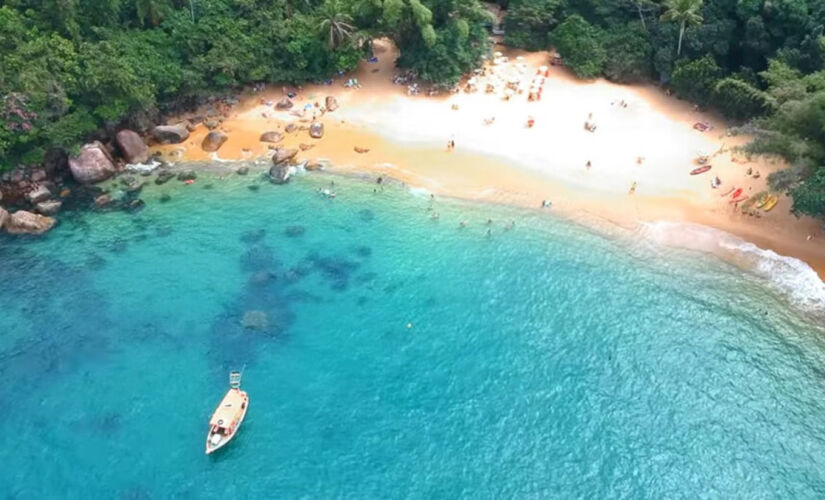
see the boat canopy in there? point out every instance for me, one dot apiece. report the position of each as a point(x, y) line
point(229, 409)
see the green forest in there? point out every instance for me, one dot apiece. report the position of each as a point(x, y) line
point(72, 68)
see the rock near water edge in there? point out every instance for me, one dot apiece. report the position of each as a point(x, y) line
point(23, 222)
point(93, 164)
point(132, 147)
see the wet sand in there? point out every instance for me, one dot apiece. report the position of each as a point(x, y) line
point(506, 162)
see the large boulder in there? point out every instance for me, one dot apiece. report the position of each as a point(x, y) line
point(173, 134)
point(272, 136)
point(316, 130)
point(49, 207)
point(94, 164)
point(4, 216)
point(132, 147)
point(38, 194)
point(331, 103)
point(213, 141)
point(164, 176)
point(283, 155)
point(23, 222)
point(279, 174)
point(284, 104)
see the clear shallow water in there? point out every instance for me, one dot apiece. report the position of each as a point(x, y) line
point(544, 361)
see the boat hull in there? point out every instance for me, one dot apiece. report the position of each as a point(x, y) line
point(210, 448)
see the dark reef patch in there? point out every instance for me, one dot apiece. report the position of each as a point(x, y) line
point(366, 215)
point(294, 231)
point(253, 235)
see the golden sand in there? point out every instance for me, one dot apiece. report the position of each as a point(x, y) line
point(507, 162)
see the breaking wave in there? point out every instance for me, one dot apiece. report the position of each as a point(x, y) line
point(792, 277)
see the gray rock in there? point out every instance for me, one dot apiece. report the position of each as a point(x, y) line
point(38, 194)
point(213, 141)
point(331, 103)
point(272, 136)
point(316, 130)
point(283, 155)
point(284, 104)
point(23, 222)
point(279, 174)
point(173, 134)
point(50, 207)
point(212, 123)
point(131, 146)
point(242, 170)
point(94, 164)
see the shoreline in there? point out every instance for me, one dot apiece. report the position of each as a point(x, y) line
point(510, 164)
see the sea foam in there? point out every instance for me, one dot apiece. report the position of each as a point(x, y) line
point(791, 277)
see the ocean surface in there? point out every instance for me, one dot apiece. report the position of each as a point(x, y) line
point(403, 356)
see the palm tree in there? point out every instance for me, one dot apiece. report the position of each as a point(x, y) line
point(335, 23)
point(686, 13)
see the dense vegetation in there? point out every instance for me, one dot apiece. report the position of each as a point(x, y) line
point(71, 67)
point(760, 62)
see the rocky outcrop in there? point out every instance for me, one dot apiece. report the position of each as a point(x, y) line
point(279, 174)
point(316, 130)
point(132, 147)
point(213, 141)
point(283, 155)
point(170, 133)
point(331, 103)
point(38, 194)
point(272, 136)
point(49, 207)
point(23, 222)
point(94, 164)
point(284, 104)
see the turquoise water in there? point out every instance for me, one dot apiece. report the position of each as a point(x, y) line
point(542, 361)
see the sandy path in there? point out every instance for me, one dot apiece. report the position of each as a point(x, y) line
point(506, 162)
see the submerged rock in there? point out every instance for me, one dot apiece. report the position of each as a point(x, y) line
point(213, 141)
point(187, 175)
point(94, 164)
point(49, 207)
point(163, 177)
point(23, 222)
point(103, 200)
point(242, 170)
point(316, 130)
point(255, 320)
point(272, 136)
point(173, 134)
point(132, 147)
point(331, 103)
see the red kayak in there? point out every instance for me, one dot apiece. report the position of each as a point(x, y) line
point(736, 193)
point(737, 200)
point(700, 170)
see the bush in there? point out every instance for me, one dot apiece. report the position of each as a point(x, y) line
point(629, 54)
point(580, 45)
point(695, 80)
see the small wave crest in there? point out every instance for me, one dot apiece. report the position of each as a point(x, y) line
point(792, 277)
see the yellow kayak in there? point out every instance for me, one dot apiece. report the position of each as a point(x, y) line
point(763, 201)
point(772, 200)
